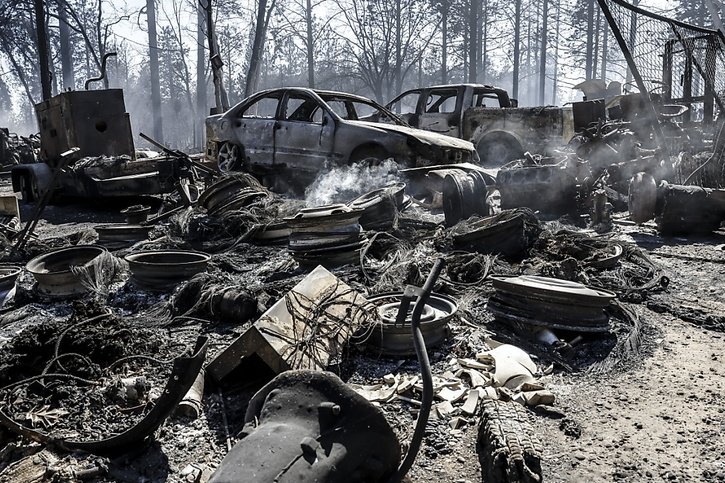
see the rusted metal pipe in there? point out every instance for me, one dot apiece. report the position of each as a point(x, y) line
point(103, 70)
point(425, 370)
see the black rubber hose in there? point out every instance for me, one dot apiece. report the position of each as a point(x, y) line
point(420, 350)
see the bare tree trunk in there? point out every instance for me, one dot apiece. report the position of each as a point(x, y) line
point(154, 71)
point(517, 49)
point(542, 59)
point(484, 41)
point(201, 109)
point(597, 30)
point(310, 46)
point(605, 53)
point(554, 84)
point(398, 74)
point(220, 95)
point(465, 50)
point(589, 66)
point(420, 70)
point(257, 46)
point(5, 46)
point(66, 58)
point(632, 39)
point(444, 41)
point(43, 56)
point(473, 39)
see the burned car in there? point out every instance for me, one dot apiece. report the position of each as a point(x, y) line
point(302, 131)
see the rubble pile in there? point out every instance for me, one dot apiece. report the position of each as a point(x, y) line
point(15, 149)
point(444, 301)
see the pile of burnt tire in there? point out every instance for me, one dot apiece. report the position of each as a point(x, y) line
point(380, 207)
point(231, 193)
point(542, 302)
point(328, 235)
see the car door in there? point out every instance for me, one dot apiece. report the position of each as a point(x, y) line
point(254, 129)
point(441, 111)
point(406, 106)
point(304, 133)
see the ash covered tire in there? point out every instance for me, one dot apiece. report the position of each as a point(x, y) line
point(498, 148)
point(229, 158)
point(369, 155)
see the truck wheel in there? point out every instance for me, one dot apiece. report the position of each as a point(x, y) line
point(229, 158)
point(497, 149)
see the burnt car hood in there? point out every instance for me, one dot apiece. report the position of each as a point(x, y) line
point(424, 137)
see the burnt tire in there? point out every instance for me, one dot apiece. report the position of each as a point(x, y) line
point(371, 156)
point(497, 149)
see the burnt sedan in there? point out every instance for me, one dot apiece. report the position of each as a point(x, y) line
point(302, 131)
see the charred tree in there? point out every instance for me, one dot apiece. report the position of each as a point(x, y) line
point(555, 80)
point(43, 55)
point(517, 49)
point(605, 53)
point(473, 40)
point(444, 41)
point(310, 44)
point(220, 95)
point(154, 71)
point(542, 52)
point(260, 35)
point(398, 76)
point(201, 109)
point(484, 40)
point(589, 66)
point(66, 57)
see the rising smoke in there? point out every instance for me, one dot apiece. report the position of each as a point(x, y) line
point(345, 183)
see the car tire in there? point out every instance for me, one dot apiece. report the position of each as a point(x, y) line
point(229, 158)
point(497, 149)
point(370, 156)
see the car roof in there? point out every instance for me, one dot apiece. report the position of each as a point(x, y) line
point(321, 93)
point(475, 86)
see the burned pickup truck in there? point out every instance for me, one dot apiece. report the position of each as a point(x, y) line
point(301, 131)
point(486, 116)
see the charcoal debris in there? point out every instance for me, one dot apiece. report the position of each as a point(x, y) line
point(287, 283)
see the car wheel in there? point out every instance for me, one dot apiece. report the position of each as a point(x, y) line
point(499, 149)
point(370, 156)
point(229, 158)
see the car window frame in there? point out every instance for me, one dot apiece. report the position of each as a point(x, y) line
point(320, 104)
point(435, 91)
point(418, 92)
point(236, 113)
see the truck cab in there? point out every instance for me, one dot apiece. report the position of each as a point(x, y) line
point(486, 116)
point(441, 108)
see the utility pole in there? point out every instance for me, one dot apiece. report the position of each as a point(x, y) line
point(42, 35)
point(154, 68)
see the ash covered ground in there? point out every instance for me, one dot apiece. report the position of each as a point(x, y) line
point(642, 401)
